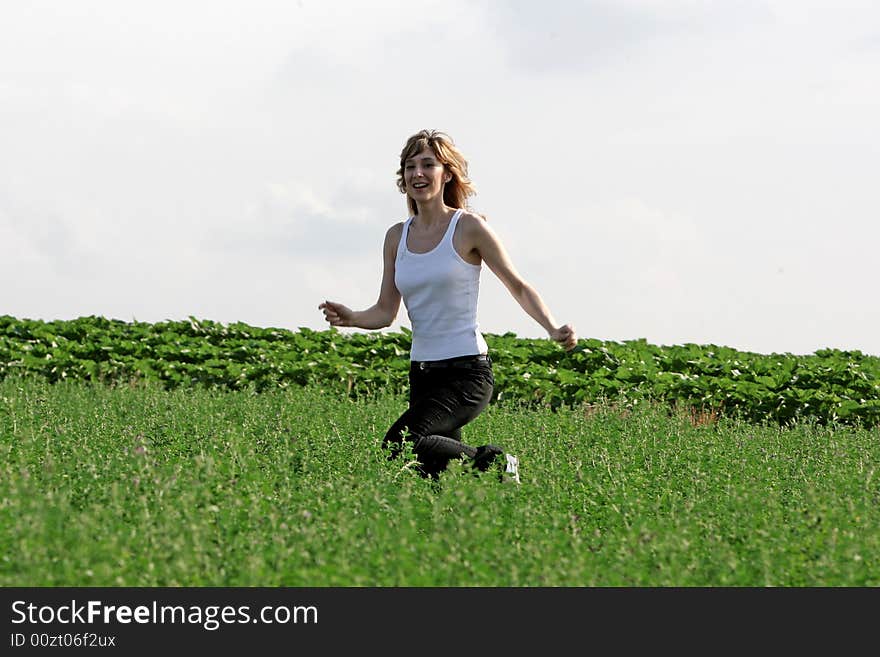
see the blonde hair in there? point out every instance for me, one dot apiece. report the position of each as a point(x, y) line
point(459, 187)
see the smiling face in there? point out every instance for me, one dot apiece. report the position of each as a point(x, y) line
point(424, 176)
point(430, 156)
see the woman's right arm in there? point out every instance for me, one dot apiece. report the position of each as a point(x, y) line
point(384, 311)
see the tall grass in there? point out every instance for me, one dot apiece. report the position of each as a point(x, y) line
point(137, 486)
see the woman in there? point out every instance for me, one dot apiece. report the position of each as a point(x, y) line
point(433, 261)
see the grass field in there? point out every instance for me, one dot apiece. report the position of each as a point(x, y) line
point(137, 486)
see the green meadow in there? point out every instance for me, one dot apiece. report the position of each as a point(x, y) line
point(139, 485)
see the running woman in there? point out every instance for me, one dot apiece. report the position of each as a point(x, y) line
point(433, 261)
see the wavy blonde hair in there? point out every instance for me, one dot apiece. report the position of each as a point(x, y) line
point(459, 188)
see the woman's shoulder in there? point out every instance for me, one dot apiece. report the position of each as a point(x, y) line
point(393, 234)
point(472, 222)
point(472, 216)
point(396, 230)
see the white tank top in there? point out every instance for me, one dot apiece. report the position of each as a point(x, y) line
point(440, 292)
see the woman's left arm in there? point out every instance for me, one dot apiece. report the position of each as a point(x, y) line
point(493, 253)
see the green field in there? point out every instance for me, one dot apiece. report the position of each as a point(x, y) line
point(138, 485)
point(829, 386)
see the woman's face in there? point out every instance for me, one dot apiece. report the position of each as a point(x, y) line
point(424, 176)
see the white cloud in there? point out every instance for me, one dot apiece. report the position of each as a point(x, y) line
point(678, 170)
point(589, 36)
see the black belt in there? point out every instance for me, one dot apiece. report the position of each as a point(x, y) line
point(465, 362)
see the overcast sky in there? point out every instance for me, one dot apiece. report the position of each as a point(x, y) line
point(676, 170)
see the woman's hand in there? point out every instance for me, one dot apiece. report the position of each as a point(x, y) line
point(336, 314)
point(565, 336)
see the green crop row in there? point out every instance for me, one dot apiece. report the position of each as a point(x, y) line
point(829, 385)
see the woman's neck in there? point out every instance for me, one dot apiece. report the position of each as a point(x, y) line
point(433, 215)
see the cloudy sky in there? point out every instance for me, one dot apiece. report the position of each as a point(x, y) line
point(674, 170)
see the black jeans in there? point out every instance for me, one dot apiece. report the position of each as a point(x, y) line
point(442, 399)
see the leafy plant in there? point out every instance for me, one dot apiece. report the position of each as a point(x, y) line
point(830, 385)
